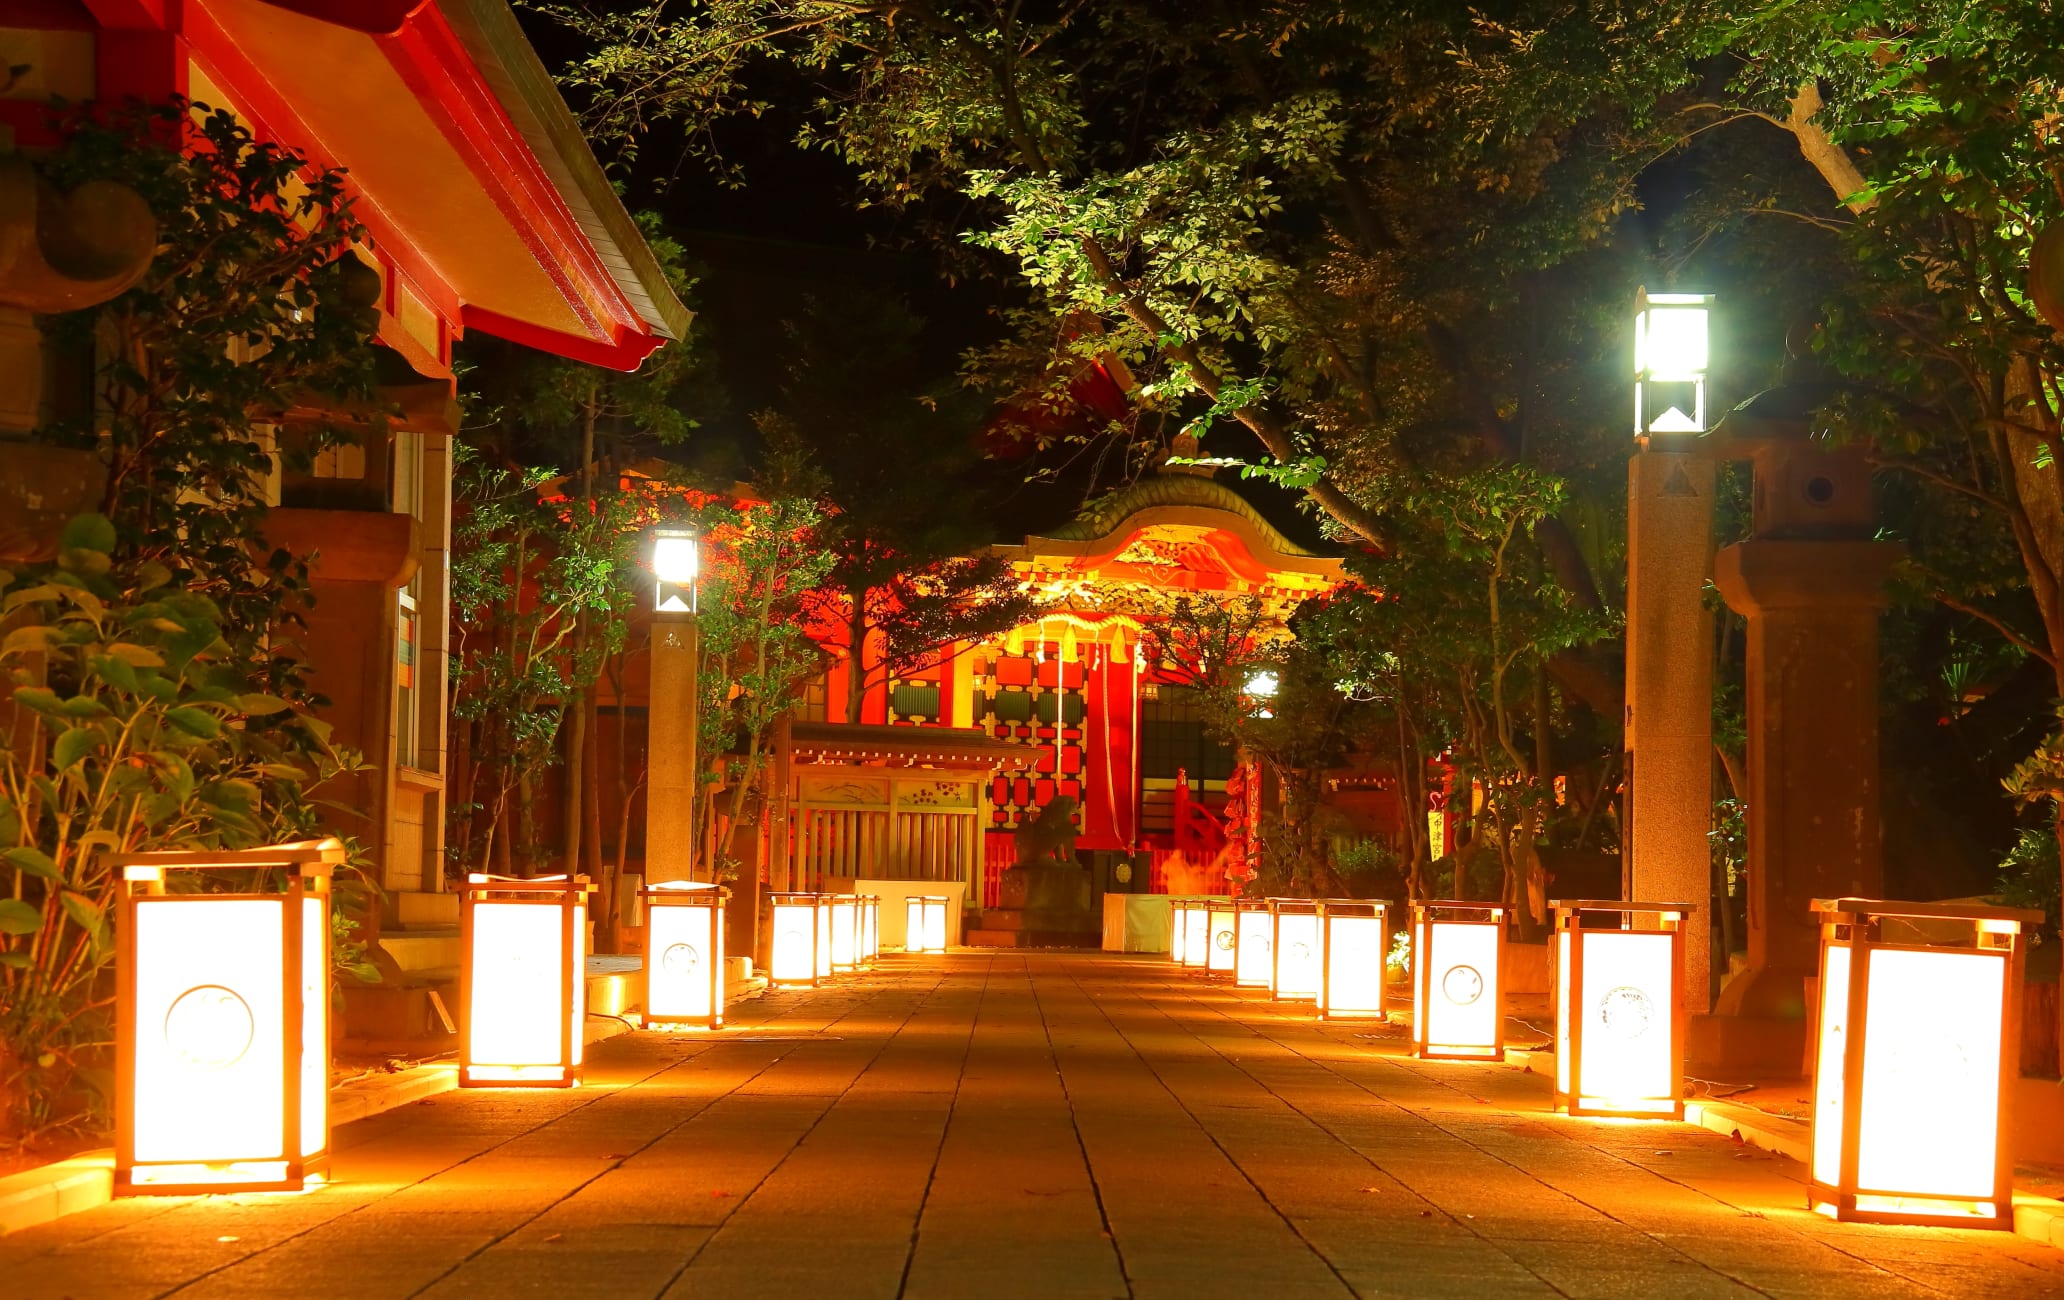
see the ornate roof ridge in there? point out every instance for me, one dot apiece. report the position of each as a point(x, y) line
point(1102, 517)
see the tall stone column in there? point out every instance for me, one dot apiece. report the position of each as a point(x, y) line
point(1812, 608)
point(1670, 695)
point(670, 749)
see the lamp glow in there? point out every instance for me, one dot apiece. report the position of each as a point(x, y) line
point(1458, 986)
point(522, 981)
point(1354, 942)
point(1619, 1008)
point(1919, 1040)
point(1294, 950)
point(1253, 934)
point(794, 960)
point(844, 912)
point(1671, 356)
point(676, 563)
point(684, 954)
point(870, 927)
point(222, 1044)
point(925, 923)
point(1221, 936)
point(1178, 909)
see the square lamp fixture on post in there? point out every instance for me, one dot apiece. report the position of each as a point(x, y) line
point(1253, 930)
point(1920, 1042)
point(522, 981)
point(222, 1021)
point(1458, 981)
point(1671, 355)
point(1619, 1008)
point(924, 923)
point(1354, 941)
point(1294, 950)
point(1221, 936)
point(684, 954)
point(796, 929)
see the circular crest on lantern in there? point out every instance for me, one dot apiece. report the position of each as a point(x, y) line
point(1462, 985)
point(680, 958)
point(1223, 940)
point(209, 1027)
point(1625, 1011)
point(1122, 873)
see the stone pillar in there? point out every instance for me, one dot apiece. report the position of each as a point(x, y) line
point(1812, 609)
point(1670, 695)
point(670, 723)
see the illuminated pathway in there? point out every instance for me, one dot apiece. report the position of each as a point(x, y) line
point(1010, 1126)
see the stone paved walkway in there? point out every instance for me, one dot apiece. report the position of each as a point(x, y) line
point(1001, 1126)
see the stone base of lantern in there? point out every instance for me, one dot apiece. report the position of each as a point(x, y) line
point(1745, 1047)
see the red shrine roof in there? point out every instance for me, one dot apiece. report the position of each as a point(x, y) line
point(486, 208)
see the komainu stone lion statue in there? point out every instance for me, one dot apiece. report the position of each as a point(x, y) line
point(1048, 838)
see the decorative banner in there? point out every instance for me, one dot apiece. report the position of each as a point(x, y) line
point(1297, 955)
point(208, 1045)
point(1931, 1073)
point(1222, 944)
point(1627, 1060)
point(1462, 998)
point(1251, 961)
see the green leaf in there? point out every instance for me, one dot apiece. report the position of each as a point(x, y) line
point(89, 533)
point(32, 862)
point(85, 914)
point(73, 745)
point(17, 917)
point(364, 972)
point(136, 656)
point(261, 705)
point(40, 698)
point(198, 723)
point(83, 707)
point(116, 673)
point(32, 639)
point(76, 559)
point(231, 795)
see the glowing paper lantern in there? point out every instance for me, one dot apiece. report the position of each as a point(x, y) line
point(796, 928)
point(1253, 931)
point(1189, 932)
point(1294, 950)
point(1221, 936)
point(1458, 985)
point(684, 954)
point(844, 914)
point(1354, 939)
point(1919, 1046)
point(870, 927)
point(925, 923)
point(222, 1041)
point(522, 981)
point(1619, 1018)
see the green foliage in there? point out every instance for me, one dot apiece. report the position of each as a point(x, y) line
point(242, 316)
point(132, 725)
point(2028, 876)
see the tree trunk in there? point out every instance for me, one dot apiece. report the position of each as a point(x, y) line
point(573, 808)
point(856, 658)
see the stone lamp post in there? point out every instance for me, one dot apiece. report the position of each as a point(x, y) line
point(1810, 580)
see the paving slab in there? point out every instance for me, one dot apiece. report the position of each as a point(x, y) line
point(1016, 1124)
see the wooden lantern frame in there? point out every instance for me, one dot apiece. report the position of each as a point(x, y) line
point(870, 928)
point(818, 959)
point(569, 894)
point(1573, 990)
point(1221, 916)
point(1430, 917)
point(1856, 926)
point(923, 907)
point(713, 901)
point(1303, 909)
point(1331, 911)
point(304, 1049)
point(1253, 923)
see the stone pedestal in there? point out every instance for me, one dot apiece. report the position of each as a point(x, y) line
point(1670, 695)
point(1812, 610)
point(1046, 905)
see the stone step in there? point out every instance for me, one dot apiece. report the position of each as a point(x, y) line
point(426, 949)
point(418, 911)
